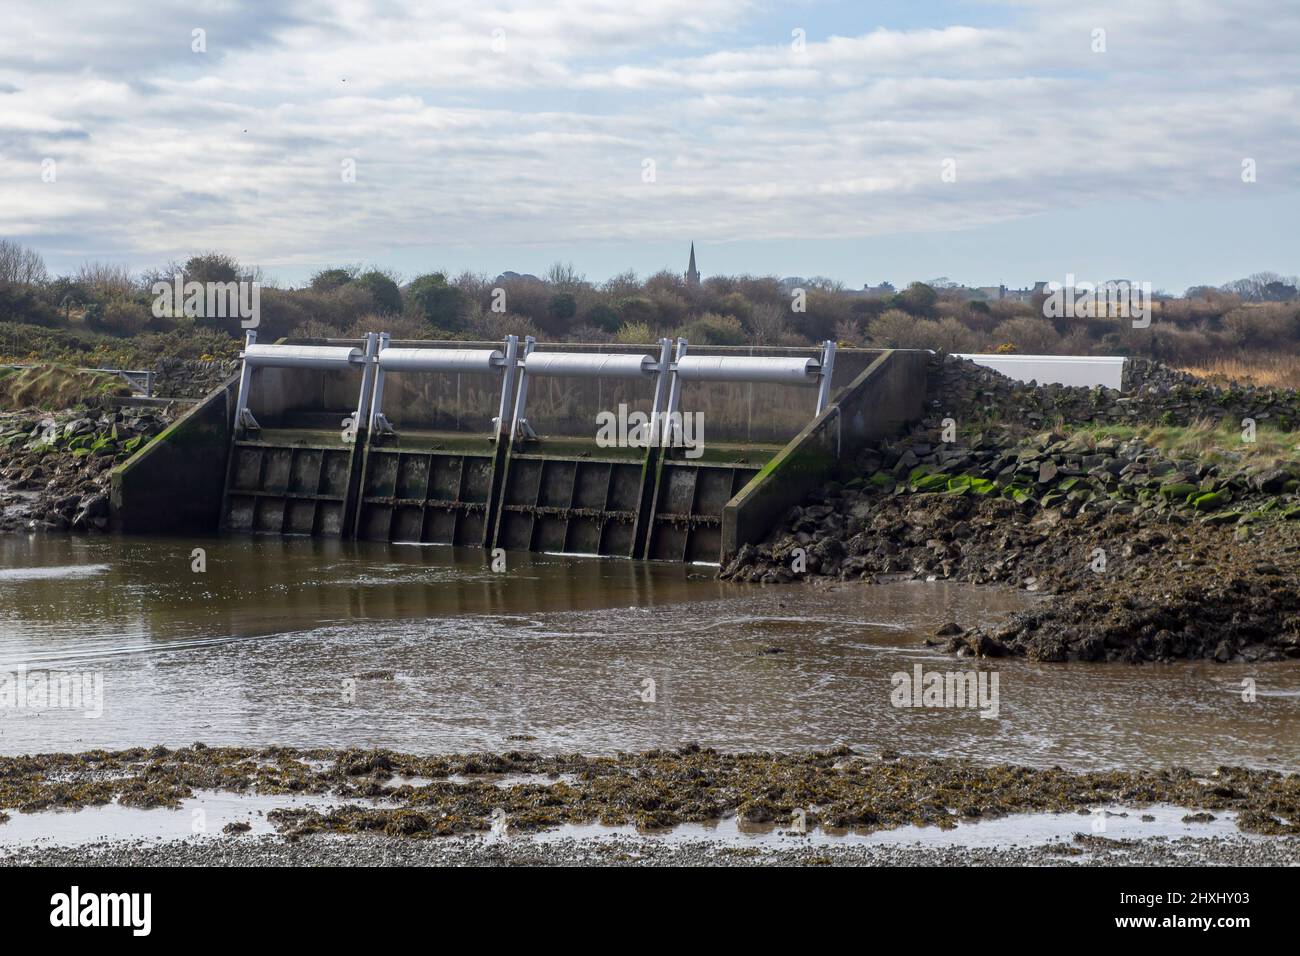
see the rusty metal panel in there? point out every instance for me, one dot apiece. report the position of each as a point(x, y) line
point(305, 472)
point(570, 505)
point(412, 479)
point(686, 514)
point(424, 496)
point(248, 468)
point(300, 516)
point(565, 503)
point(286, 489)
point(268, 518)
point(334, 480)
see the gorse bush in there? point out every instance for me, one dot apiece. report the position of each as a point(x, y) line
point(714, 329)
point(1029, 335)
point(634, 333)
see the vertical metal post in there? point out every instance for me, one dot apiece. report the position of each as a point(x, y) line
point(521, 398)
point(661, 385)
point(246, 373)
point(377, 402)
point(827, 370)
point(501, 426)
point(361, 418)
point(674, 396)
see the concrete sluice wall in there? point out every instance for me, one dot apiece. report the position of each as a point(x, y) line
point(443, 479)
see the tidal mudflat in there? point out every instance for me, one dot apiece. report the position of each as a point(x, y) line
point(590, 702)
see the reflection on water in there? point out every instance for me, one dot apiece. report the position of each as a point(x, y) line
point(309, 642)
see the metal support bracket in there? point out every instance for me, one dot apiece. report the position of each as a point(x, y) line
point(825, 374)
point(520, 423)
point(377, 423)
point(511, 369)
point(672, 423)
point(244, 419)
point(361, 417)
point(661, 385)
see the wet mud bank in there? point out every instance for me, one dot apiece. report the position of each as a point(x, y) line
point(408, 796)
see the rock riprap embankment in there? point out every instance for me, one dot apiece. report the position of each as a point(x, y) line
point(191, 378)
point(54, 466)
point(1151, 553)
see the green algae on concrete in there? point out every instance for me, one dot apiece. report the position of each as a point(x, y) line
point(174, 484)
point(879, 403)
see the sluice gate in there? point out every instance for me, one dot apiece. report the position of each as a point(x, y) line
point(668, 452)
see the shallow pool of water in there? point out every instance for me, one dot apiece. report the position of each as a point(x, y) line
point(205, 815)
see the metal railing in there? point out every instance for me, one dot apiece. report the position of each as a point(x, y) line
point(517, 361)
point(139, 379)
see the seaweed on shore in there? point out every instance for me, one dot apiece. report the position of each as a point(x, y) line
point(424, 796)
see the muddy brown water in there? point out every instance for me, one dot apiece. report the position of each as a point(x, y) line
point(308, 642)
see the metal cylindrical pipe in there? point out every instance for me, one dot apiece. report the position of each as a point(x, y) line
point(441, 360)
point(747, 368)
point(590, 365)
point(301, 356)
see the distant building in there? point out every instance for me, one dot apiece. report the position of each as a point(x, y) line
point(1021, 295)
point(692, 273)
point(509, 276)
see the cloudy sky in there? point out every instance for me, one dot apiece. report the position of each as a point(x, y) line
point(797, 138)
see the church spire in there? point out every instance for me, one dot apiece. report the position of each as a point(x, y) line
point(692, 273)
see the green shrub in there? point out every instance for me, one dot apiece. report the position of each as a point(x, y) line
point(714, 329)
point(443, 306)
point(602, 317)
point(327, 280)
point(383, 290)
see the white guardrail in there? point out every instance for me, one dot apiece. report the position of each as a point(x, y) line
point(1086, 370)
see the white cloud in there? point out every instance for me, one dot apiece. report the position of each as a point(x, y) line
point(162, 151)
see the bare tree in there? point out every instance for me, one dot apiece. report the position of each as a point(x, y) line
point(20, 265)
point(1263, 287)
point(564, 276)
point(621, 286)
point(768, 323)
point(106, 278)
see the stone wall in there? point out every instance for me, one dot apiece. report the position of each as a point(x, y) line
point(1153, 393)
point(190, 378)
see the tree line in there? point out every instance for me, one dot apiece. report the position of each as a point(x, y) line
point(99, 304)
